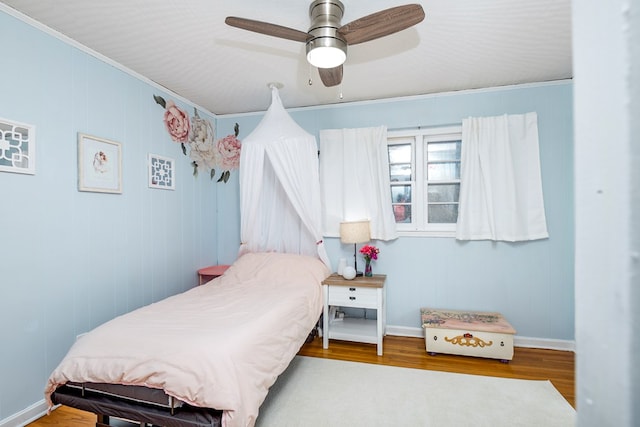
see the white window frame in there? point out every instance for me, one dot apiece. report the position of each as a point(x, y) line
point(419, 227)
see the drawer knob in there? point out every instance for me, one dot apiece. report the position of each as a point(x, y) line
point(352, 298)
point(352, 289)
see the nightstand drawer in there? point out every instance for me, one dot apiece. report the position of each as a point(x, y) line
point(353, 296)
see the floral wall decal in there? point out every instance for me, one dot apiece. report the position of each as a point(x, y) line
point(228, 149)
point(196, 138)
point(177, 122)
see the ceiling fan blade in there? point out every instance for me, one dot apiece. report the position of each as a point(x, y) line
point(331, 76)
point(267, 28)
point(382, 23)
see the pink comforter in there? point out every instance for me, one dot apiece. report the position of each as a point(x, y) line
point(220, 345)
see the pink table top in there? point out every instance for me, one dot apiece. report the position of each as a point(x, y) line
point(213, 270)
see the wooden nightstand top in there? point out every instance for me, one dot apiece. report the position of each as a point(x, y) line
point(377, 281)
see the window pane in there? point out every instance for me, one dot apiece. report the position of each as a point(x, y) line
point(401, 198)
point(438, 151)
point(443, 213)
point(443, 171)
point(400, 172)
point(402, 213)
point(443, 192)
point(400, 153)
point(401, 194)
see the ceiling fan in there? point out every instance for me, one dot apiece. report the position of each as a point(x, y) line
point(327, 40)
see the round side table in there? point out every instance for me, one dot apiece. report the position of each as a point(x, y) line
point(209, 273)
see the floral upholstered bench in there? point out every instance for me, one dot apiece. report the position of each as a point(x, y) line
point(467, 333)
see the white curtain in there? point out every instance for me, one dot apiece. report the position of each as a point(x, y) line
point(501, 186)
point(354, 173)
point(280, 188)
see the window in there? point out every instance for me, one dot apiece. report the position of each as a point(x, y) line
point(424, 168)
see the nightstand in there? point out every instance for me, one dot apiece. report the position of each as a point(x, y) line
point(361, 292)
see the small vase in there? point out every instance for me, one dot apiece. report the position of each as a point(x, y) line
point(368, 272)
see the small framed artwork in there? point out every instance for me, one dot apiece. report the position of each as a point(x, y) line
point(162, 172)
point(17, 147)
point(99, 164)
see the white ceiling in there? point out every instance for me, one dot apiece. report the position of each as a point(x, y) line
point(185, 46)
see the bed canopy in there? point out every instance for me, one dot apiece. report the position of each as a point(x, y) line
point(280, 187)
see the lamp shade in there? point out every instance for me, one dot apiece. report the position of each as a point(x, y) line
point(355, 232)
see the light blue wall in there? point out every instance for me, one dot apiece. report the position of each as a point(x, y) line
point(70, 260)
point(530, 283)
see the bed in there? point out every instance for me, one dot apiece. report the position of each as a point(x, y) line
point(205, 357)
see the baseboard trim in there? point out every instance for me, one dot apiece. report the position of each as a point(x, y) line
point(518, 341)
point(405, 331)
point(26, 416)
point(546, 343)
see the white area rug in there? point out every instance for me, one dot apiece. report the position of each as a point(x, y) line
point(315, 392)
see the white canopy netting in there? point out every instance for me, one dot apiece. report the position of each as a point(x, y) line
point(280, 207)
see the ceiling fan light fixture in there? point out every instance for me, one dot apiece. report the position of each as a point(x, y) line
point(326, 52)
point(327, 39)
point(326, 48)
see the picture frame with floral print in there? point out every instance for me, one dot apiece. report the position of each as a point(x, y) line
point(162, 172)
point(99, 164)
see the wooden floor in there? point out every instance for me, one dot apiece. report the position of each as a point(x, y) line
point(527, 363)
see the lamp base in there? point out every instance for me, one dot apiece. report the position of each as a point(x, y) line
point(355, 262)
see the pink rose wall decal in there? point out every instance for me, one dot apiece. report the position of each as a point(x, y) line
point(196, 137)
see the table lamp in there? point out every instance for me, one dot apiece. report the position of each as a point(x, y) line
point(355, 232)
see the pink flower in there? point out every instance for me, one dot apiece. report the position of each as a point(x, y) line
point(229, 152)
point(369, 252)
point(177, 122)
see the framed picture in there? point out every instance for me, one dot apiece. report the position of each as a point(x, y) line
point(162, 172)
point(17, 147)
point(99, 164)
